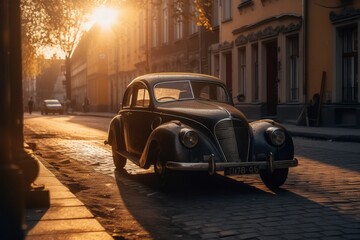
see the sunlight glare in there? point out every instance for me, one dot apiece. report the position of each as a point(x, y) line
point(49, 52)
point(104, 16)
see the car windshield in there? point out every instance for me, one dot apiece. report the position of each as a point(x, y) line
point(185, 90)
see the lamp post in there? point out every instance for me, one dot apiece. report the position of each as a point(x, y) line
point(68, 77)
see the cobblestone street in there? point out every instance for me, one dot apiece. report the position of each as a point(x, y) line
point(320, 200)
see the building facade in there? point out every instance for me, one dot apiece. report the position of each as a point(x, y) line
point(89, 71)
point(259, 56)
point(332, 60)
point(293, 61)
point(79, 86)
point(130, 53)
point(176, 42)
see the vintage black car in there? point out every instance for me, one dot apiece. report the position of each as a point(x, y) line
point(187, 122)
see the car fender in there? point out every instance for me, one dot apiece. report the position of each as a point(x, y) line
point(115, 126)
point(261, 145)
point(165, 138)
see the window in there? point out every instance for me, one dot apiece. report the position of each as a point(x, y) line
point(293, 44)
point(173, 91)
point(186, 90)
point(194, 28)
point(255, 71)
point(242, 70)
point(142, 97)
point(165, 38)
point(216, 65)
point(141, 30)
point(128, 98)
point(349, 64)
point(179, 28)
point(215, 13)
point(179, 22)
point(154, 32)
point(226, 10)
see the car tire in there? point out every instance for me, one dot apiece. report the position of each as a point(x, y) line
point(274, 179)
point(161, 171)
point(119, 161)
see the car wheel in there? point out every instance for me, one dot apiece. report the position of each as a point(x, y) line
point(119, 161)
point(161, 171)
point(275, 179)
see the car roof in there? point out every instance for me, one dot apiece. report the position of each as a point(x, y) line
point(154, 78)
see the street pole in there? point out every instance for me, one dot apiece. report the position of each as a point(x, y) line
point(68, 77)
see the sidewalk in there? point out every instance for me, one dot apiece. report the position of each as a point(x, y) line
point(325, 133)
point(66, 218)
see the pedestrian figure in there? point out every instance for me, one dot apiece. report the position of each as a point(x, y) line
point(86, 105)
point(30, 105)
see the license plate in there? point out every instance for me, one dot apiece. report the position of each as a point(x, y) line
point(241, 170)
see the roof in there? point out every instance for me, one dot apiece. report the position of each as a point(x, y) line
point(154, 78)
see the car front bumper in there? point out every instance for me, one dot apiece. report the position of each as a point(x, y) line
point(213, 166)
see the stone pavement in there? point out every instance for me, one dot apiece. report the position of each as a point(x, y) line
point(68, 218)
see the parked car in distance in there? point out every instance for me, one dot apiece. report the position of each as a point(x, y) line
point(180, 122)
point(51, 106)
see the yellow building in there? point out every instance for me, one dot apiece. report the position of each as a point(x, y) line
point(259, 56)
point(332, 31)
point(293, 61)
point(97, 70)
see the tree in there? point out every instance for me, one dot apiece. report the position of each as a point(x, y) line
point(55, 23)
point(202, 14)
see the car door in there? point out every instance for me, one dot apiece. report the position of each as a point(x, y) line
point(126, 113)
point(139, 119)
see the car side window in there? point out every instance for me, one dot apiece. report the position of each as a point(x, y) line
point(142, 97)
point(128, 98)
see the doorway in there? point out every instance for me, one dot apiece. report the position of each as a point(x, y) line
point(271, 78)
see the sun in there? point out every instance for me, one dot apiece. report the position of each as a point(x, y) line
point(104, 16)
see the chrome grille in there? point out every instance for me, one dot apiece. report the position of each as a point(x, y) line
point(233, 138)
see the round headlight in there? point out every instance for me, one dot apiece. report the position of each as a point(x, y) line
point(276, 135)
point(189, 138)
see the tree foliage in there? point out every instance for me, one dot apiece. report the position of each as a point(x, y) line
point(202, 13)
point(53, 23)
point(56, 22)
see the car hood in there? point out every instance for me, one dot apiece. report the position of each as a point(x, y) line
point(205, 112)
